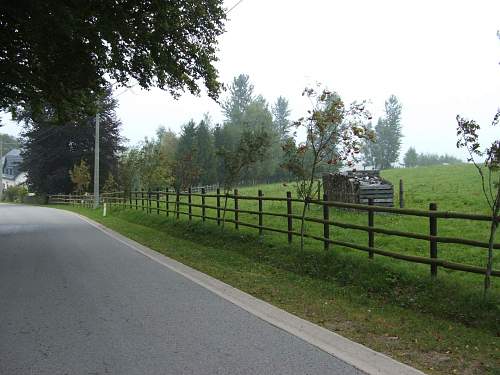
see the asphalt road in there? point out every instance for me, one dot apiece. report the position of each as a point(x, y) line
point(75, 301)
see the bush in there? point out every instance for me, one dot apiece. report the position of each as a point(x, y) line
point(14, 194)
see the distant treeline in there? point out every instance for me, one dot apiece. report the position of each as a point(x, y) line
point(414, 159)
point(194, 157)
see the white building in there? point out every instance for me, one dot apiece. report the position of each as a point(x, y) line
point(10, 168)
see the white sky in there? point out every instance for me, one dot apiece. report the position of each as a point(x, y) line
point(440, 58)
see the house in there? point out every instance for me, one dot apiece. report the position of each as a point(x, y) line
point(10, 167)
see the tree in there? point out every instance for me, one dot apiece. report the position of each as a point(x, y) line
point(240, 97)
point(9, 143)
point(258, 118)
point(60, 54)
point(80, 176)
point(129, 165)
point(187, 171)
point(489, 172)
point(281, 120)
point(205, 152)
point(411, 158)
point(251, 148)
point(110, 186)
point(388, 134)
point(334, 134)
point(50, 150)
point(369, 149)
point(152, 171)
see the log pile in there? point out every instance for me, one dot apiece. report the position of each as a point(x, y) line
point(358, 187)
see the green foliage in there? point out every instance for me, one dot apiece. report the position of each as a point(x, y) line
point(334, 136)
point(129, 165)
point(154, 171)
point(411, 158)
point(383, 150)
point(205, 153)
point(59, 54)
point(14, 194)
point(252, 148)
point(50, 149)
point(187, 169)
point(110, 186)
point(240, 97)
point(9, 143)
point(468, 138)
point(281, 118)
point(80, 176)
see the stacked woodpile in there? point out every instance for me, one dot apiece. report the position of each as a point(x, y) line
point(358, 187)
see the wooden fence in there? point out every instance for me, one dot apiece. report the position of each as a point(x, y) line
point(170, 203)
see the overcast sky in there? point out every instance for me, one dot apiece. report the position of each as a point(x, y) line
point(440, 58)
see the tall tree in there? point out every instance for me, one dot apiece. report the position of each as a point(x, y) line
point(153, 172)
point(388, 134)
point(205, 153)
point(258, 118)
point(334, 134)
point(240, 97)
point(129, 166)
point(411, 158)
point(187, 171)
point(281, 118)
point(50, 150)
point(59, 54)
point(369, 149)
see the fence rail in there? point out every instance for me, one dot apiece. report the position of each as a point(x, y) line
point(170, 203)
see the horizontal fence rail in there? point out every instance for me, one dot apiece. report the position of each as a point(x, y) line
point(176, 203)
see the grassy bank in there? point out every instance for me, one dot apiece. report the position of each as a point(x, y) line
point(441, 326)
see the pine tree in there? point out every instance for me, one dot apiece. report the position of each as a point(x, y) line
point(388, 135)
point(205, 153)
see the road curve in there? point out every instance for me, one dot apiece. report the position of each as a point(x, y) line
point(76, 301)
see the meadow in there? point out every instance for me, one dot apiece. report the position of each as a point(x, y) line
point(441, 325)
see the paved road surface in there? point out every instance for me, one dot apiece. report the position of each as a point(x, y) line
point(75, 301)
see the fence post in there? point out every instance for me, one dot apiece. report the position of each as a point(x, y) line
point(136, 201)
point(177, 198)
point(319, 189)
point(142, 199)
point(260, 213)
point(289, 213)
point(130, 198)
point(218, 206)
point(236, 207)
point(401, 194)
point(167, 205)
point(326, 225)
point(433, 243)
point(158, 201)
point(149, 202)
point(203, 204)
point(371, 233)
point(190, 209)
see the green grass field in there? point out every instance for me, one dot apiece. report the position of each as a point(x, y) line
point(440, 326)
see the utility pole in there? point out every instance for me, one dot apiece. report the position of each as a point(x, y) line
point(96, 162)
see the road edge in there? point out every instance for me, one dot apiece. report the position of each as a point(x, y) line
point(357, 355)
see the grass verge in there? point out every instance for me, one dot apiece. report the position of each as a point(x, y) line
point(439, 326)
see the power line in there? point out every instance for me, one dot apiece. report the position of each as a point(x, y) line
point(234, 6)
